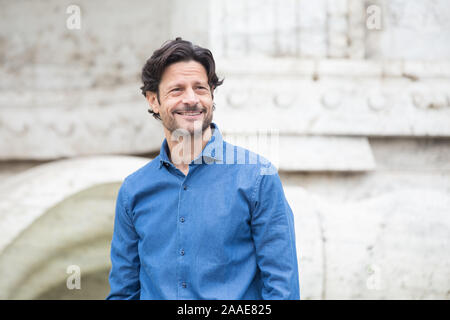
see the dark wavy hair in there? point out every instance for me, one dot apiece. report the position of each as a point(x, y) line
point(175, 51)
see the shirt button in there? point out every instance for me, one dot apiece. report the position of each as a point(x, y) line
point(182, 219)
point(184, 285)
point(185, 187)
point(182, 252)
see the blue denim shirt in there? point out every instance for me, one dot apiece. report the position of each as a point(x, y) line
point(223, 231)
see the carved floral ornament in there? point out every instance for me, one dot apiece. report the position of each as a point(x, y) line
point(430, 100)
point(284, 100)
point(241, 99)
point(332, 99)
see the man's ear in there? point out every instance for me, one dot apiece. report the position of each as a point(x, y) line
point(152, 100)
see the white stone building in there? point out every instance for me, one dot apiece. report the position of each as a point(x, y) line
point(349, 98)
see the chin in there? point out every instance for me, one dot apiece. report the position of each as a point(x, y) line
point(193, 129)
point(198, 126)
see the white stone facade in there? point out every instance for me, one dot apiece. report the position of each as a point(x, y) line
point(349, 98)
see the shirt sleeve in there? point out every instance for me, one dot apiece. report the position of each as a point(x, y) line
point(273, 234)
point(124, 275)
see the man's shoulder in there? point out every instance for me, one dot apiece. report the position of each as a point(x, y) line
point(143, 174)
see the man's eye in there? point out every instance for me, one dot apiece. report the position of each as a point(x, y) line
point(175, 89)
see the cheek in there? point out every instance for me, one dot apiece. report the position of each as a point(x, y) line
point(207, 102)
point(169, 106)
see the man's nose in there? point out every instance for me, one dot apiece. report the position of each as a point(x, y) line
point(190, 97)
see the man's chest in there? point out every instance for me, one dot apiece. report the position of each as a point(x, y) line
point(214, 214)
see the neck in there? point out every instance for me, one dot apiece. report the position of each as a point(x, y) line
point(185, 148)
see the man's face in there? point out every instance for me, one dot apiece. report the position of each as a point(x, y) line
point(185, 97)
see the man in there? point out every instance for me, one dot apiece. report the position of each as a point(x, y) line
point(199, 221)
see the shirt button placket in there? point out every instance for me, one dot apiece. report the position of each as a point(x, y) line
point(183, 239)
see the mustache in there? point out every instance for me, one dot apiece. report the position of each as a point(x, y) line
point(195, 108)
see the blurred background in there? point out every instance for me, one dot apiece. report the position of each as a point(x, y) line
point(356, 94)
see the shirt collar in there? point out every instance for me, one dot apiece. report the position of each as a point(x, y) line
point(211, 152)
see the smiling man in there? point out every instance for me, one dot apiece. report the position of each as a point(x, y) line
point(199, 221)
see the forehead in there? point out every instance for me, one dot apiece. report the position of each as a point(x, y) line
point(184, 70)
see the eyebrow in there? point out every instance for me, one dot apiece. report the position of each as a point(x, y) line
point(180, 84)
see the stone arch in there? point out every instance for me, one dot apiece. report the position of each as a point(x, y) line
point(56, 215)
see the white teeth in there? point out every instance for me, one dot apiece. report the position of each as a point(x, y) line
point(189, 113)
